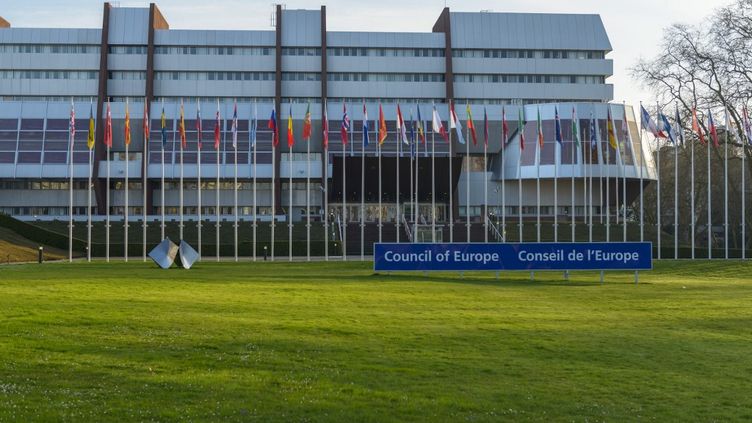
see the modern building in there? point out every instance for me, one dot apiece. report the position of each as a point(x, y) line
point(517, 64)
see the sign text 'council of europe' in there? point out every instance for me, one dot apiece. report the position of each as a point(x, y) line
point(519, 256)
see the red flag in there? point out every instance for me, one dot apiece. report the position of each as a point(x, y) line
point(345, 126)
point(696, 126)
point(382, 126)
point(325, 128)
point(108, 127)
point(307, 124)
point(272, 124)
point(181, 127)
point(146, 121)
point(217, 122)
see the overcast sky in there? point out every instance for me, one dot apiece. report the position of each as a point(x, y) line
point(634, 26)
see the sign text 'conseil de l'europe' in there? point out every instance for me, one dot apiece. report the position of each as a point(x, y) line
point(517, 256)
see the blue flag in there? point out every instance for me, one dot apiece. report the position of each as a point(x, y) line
point(558, 125)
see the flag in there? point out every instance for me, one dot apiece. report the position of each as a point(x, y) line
point(648, 124)
point(290, 134)
point(345, 127)
point(365, 125)
point(625, 129)
point(521, 129)
point(217, 123)
point(679, 131)
point(90, 138)
point(696, 126)
point(146, 122)
point(470, 124)
point(272, 124)
point(412, 134)
point(235, 126)
point(163, 126)
point(504, 127)
point(593, 133)
point(436, 124)
point(747, 125)
point(72, 124)
point(455, 124)
point(712, 129)
point(611, 130)
point(253, 130)
point(325, 128)
point(198, 123)
point(181, 127)
point(485, 126)
point(575, 128)
point(307, 129)
point(540, 130)
point(421, 134)
point(108, 127)
point(127, 124)
point(557, 120)
point(382, 126)
point(401, 128)
point(666, 127)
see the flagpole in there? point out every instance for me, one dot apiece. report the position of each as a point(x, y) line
point(692, 195)
point(676, 192)
point(274, 177)
point(572, 170)
point(451, 177)
point(107, 195)
point(744, 205)
point(521, 130)
point(199, 223)
point(591, 210)
point(325, 177)
point(144, 177)
point(608, 177)
point(537, 188)
point(162, 185)
point(71, 136)
point(308, 197)
point(622, 155)
point(557, 153)
point(289, 193)
point(125, 209)
point(253, 127)
point(397, 163)
point(182, 122)
point(658, 156)
point(725, 187)
point(412, 192)
point(344, 198)
point(710, 209)
point(485, 180)
point(433, 188)
point(503, 181)
point(235, 179)
point(381, 214)
point(216, 191)
point(289, 205)
point(88, 204)
point(416, 204)
point(363, 184)
point(467, 181)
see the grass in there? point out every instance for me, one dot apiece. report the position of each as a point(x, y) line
point(333, 342)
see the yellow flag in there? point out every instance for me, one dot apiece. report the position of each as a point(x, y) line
point(90, 139)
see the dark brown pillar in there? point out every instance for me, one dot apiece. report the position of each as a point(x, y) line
point(324, 150)
point(278, 106)
point(100, 151)
point(156, 21)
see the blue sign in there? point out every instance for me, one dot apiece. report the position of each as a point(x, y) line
point(519, 256)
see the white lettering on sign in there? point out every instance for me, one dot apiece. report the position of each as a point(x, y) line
point(395, 257)
point(484, 258)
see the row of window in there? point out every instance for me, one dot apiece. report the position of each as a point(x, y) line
point(527, 54)
point(47, 74)
point(42, 185)
point(385, 52)
point(50, 48)
point(531, 79)
point(386, 77)
point(215, 51)
point(215, 76)
point(127, 75)
point(306, 51)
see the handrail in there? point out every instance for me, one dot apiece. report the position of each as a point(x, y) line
point(407, 229)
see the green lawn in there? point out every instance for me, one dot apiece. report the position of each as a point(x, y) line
point(333, 342)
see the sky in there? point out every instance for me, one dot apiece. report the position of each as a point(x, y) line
point(634, 27)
